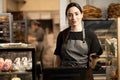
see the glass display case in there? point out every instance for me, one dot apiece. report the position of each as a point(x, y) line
point(111, 49)
point(19, 31)
point(17, 62)
point(5, 27)
point(11, 30)
point(19, 27)
point(107, 32)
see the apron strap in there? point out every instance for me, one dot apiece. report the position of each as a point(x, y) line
point(83, 32)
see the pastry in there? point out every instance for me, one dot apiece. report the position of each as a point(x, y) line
point(1, 63)
point(7, 65)
point(15, 78)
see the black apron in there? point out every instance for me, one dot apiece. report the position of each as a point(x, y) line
point(75, 55)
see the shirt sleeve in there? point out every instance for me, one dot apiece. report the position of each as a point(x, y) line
point(58, 44)
point(95, 45)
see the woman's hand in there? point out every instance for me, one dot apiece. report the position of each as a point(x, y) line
point(92, 60)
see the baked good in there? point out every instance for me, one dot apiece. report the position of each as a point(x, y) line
point(113, 10)
point(90, 11)
point(15, 78)
point(1, 63)
point(7, 65)
point(16, 65)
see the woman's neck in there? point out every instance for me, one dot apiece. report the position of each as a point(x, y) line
point(77, 28)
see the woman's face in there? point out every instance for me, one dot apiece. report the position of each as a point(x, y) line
point(74, 16)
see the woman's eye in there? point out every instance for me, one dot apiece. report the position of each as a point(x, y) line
point(76, 13)
point(69, 15)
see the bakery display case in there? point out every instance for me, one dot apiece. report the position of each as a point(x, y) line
point(107, 32)
point(12, 30)
point(17, 61)
point(19, 31)
point(111, 49)
point(5, 27)
point(19, 27)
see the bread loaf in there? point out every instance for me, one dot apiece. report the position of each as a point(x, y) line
point(90, 11)
point(113, 10)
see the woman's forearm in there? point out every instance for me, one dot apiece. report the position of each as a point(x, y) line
point(57, 61)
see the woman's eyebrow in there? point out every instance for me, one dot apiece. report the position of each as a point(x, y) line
point(73, 12)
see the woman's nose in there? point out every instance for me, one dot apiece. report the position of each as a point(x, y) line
point(74, 17)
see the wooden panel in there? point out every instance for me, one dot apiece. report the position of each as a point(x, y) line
point(118, 48)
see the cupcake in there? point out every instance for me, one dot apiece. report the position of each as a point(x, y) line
point(24, 61)
point(7, 65)
point(16, 64)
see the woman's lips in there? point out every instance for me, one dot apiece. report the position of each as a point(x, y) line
point(74, 22)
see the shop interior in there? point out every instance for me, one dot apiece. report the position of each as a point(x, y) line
point(103, 17)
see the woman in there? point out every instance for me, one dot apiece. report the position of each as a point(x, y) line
point(75, 45)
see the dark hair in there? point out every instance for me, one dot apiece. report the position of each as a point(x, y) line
point(35, 22)
point(73, 4)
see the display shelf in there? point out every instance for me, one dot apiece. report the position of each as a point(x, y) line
point(12, 31)
point(5, 27)
point(13, 54)
point(20, 31)
point(107, 32)
point(19, 27)
point(111, 47)
point(12, 73)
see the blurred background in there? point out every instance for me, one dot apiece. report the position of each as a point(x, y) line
point(51, 15)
